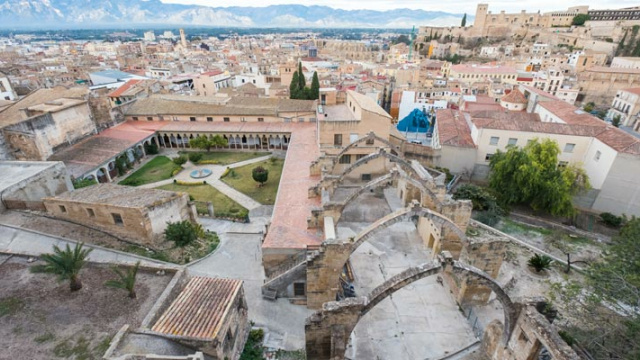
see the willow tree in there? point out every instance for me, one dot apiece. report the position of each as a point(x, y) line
point(533, 176)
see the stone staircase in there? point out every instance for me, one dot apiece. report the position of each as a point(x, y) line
point(284, 274)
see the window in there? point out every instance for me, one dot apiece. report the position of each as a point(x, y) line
point(337, 139)
point(209, 118)
point(135, 118)
point(301, 119)
point(562, 164)
point(488, 157)
point(91, 212)
point(203, 86)
point(299, 289)
point(345, 159)
point(192, 118)
point(597, 156)
point(512, 141)
point(369, 141)
point(62, 208)
point(260, 119)
point(366, 177)
point(360, 156)
point(569, 148)
point(226, 119)
point(149, 118)
point(117, 219)
point(353, 138)
point(494, 140)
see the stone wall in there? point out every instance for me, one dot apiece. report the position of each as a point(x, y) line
point(28, 193)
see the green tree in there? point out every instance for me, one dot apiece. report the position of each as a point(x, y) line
point(302, 82)
point(401, 39)
point(260, 174)
point(540, 262)
point(314, 93)
point(126, 280)
point(80, 183)
point(531, 175)
point(464, 20)
point(616, 121)
point(294, 86)
point(588, 107)
point(580, 19)
point(604, 307)
point(65, 263)
point(219, 141)
point(181, 233)
point(201, 142)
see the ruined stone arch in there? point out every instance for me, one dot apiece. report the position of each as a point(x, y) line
point(369, 136)
point(405, 165)
point(403, 215)
point(327, 331)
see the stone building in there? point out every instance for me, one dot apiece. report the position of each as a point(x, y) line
point(598, 84)
point(43, 122)
point(209, 314)
point(626, 105)
point(134, 213)
point(23, 184)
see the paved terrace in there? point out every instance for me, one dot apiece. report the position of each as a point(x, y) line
point(288, 228)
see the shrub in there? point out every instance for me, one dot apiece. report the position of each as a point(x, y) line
point(180, 160)
point(611, 220)
point(225, 173)
point(176, 171)
point(131, 182)
point(182, 233)
point(151, 149)
point(489, 217)
point(480, 197)
point(195, 157)
point(566, 337)
point(446, 172)
point(211, 162)
point(540, 262)
point(188, 183)
point(80, 183)
point(260, 174)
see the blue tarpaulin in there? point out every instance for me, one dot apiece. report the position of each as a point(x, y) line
point(416, 121)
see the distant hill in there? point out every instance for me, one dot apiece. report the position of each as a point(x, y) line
point(53, 14)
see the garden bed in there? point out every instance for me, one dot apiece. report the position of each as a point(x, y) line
point(242, 180)
point(223, 205)
point(41, 319)
point(158, 169)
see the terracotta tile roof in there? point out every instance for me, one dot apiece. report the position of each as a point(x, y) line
point(620, 140)
point(293, 206)
point(477, 106)
point(539, 92)
point(515, 97)
point(200, 310)
point(483, 69)
point(571, 114)
point(453, 129)
point(633, 90)
point(126, 86)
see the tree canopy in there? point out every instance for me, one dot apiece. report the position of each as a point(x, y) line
point(260, 174)
point(298, 89)
point(532, 175)
point(206, 143)
point(580, 19)
point(65, 263)
point(464, 20)
point(182, 233)
point(604, 309)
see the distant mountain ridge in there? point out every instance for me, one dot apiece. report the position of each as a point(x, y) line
point(120, 13)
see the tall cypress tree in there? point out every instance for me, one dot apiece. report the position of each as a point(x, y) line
point(464, 20)
point(302, 82)
point(293, 87)
point(314, 94)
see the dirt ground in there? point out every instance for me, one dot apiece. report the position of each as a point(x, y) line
point(41, 319)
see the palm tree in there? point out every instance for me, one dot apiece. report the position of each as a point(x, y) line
point(126, 281)
point(66, 264)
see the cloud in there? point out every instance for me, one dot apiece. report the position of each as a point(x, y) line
point(431, 5)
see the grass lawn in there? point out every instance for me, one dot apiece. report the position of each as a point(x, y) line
point(226, 158)
point(241, 180)
point(222, 204)
point(160, 168)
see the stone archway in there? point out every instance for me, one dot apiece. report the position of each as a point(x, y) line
point(324, 268)
point(369, 137)
point(327, 331)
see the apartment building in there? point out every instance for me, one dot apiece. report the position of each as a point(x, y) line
point(626, 104)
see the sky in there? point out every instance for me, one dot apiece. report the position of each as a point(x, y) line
point(433, 5)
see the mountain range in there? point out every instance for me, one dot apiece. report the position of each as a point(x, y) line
point(53, 14)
